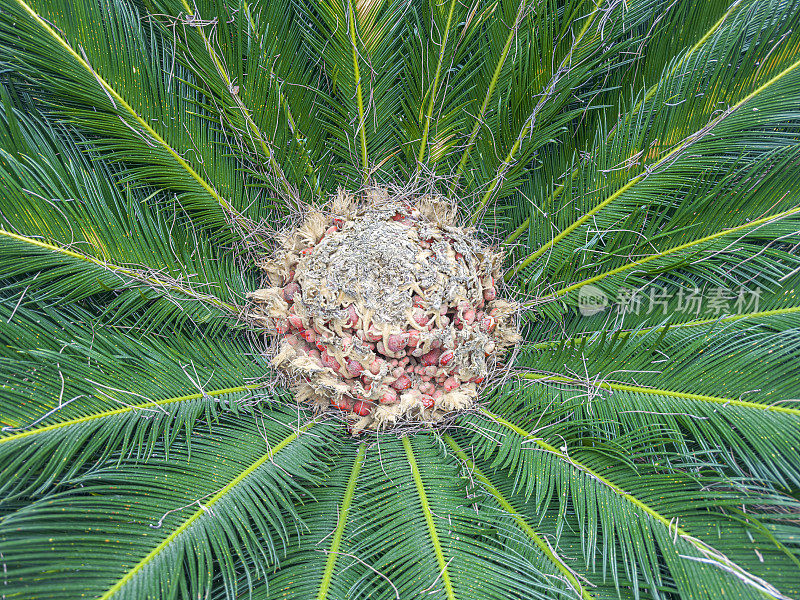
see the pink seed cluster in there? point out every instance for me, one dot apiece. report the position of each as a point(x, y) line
point(405, 329)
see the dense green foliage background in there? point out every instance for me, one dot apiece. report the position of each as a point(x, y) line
point(149, 150)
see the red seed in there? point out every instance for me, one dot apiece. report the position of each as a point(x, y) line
point(296, 322)
point(420, 317)
point(396, 342)
point(450, 384)
point(489, 294)
point(413, 338)
point(417, 301)
point(320, 346)
point(366, 382)
point(328, 360)
point(289, 290)
point(354, 368)
point(446, 357)
point(432, 357)
point(388, 397)
point(488, 323)
point(425, 387)
point(375, 366)
point(281, 326)
point(344, 403)
point(427, 401)
point(373, 334)
point(469, 316)
point(306, 251)
point(437, 395)
point(363, 407)
point(308, 335)
point(398, 216)
point(402, 383)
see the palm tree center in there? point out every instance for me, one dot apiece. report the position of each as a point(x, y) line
point(385, 308)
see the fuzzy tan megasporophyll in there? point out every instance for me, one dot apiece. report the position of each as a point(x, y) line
point(386, 308)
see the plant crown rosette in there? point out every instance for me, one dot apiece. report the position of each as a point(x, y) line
point(385, 308)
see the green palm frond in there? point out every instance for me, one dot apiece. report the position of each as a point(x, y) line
point(257, 81)
point(239, 509)
point(74, 392)
point(652, 173)
point(66, 226)
point(645, 152)
point(111, 76)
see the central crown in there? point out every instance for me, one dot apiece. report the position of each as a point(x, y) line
point(386, 309)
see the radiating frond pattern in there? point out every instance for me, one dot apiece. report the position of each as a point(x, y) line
point(643, 154)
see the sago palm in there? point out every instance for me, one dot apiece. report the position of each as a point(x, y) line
point(637, 162)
